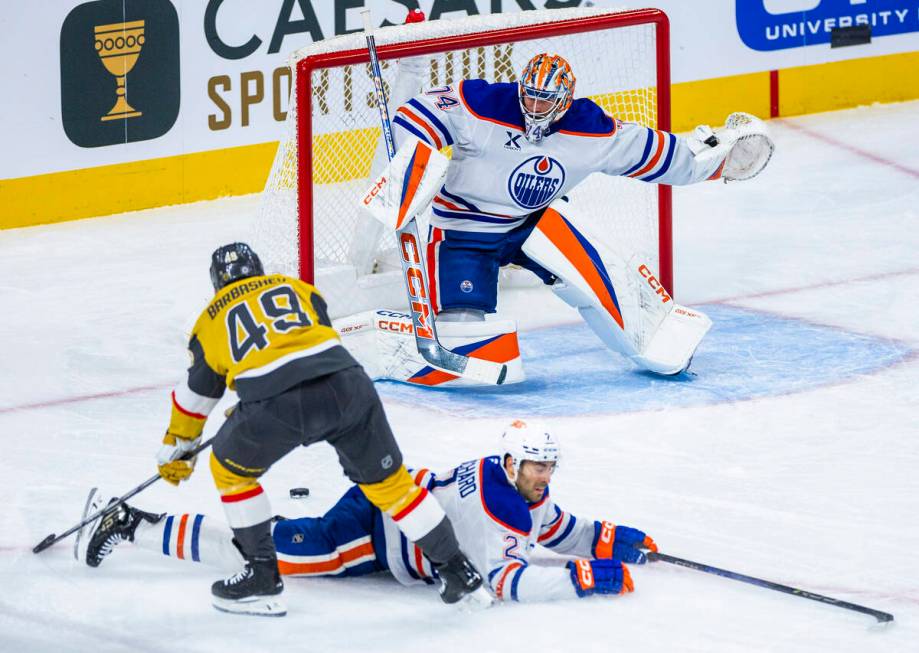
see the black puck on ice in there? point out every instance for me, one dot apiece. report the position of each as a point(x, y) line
point(299, 492)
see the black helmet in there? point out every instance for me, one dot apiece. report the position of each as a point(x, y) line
point(234, 262)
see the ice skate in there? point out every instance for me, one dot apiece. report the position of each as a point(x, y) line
point(254, 590)
point(461, 582)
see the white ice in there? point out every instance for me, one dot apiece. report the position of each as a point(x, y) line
point(815, 486)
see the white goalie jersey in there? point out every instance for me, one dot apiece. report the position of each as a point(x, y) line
point(498, 529)
point(496, 177)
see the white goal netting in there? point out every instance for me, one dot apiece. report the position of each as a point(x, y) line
point(353, 262)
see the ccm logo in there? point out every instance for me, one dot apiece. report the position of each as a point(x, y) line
point(683, 311)
point(585, 574)
point(414, 279)
point(368, 198)
point(398, 327)
point(654, 283)
point(606, 535)
point(405, 316)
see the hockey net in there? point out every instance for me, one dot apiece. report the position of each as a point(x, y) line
point(309, 222)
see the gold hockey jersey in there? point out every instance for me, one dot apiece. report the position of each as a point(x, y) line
point(259, 336)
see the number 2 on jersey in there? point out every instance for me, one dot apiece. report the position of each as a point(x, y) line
point(281, 305)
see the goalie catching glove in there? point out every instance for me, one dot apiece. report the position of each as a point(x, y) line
point(743, 142)
point(171, 458)
point(600, 577)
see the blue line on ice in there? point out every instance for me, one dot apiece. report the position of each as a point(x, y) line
point(747, 354)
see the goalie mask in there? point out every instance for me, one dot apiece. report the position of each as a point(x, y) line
point(528, 441)
point(545, 90)
point(234, 262)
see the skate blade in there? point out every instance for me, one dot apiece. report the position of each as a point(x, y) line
point(259, 606)
point(477, 600)
point(92, 504)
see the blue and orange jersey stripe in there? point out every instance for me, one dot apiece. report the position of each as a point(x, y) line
point(426, 114)
point(499, 586)
point(432, 138)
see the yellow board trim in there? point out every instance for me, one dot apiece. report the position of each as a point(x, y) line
point(105, 190)
point(710, 101)
point(75, 194)
point(845, 84)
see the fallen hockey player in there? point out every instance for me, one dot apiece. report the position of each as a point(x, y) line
point(500, 507)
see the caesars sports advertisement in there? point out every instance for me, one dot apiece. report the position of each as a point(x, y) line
point(108, 82)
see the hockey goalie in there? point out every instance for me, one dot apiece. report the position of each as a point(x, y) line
point(517, 150)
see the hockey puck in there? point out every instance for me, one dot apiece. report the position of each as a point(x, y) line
point(299, 492)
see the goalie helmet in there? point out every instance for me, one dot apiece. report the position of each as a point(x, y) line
point(528, 441)
point(547, 78)
point(234, 262)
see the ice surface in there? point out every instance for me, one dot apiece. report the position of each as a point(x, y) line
point(792, 455)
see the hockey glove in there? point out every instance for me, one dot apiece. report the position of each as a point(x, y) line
point(743, 144)
point(600, 576)
point(621, 543)
point(170, 459)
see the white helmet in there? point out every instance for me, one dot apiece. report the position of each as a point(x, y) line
point(528, 441)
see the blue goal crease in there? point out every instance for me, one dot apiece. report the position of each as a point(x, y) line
point(746, 355)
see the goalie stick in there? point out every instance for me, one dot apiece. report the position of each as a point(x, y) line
point(416, 282)
point(882, 617)
point(52, 539)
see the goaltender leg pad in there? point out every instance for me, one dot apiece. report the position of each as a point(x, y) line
point(383, 343)
point(584, 283)
point(641, 321)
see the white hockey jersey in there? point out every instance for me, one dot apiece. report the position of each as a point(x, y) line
point(496, 177)
point(498, 529)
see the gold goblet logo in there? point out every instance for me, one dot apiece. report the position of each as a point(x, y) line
point(119, 45)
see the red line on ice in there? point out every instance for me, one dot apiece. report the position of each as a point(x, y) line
point(851, 148)
point(74, 400)
point(814, 286)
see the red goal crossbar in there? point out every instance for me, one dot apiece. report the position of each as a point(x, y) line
point(304, 90)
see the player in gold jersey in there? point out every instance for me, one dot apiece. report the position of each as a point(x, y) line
point(269, 338)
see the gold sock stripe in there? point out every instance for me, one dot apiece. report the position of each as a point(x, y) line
point(228, 482)
point(392, 493)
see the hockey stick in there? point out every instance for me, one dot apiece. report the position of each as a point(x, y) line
point(412, 259)
point(52, 538)
point(882, 617)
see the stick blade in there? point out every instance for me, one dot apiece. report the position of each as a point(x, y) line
point(486, 372)
point(44, 544)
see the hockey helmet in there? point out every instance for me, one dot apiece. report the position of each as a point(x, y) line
point(234, 262)
point(528, 441)
point(546, 77)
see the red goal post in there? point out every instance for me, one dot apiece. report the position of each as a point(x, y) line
point(323, 155)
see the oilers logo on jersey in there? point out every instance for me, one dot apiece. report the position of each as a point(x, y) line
point(489, 190)
point(536, 181)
